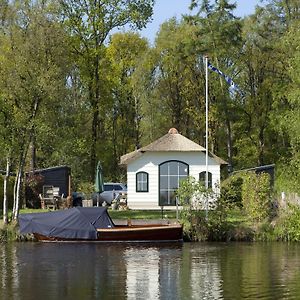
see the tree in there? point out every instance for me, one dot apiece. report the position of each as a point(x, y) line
point(171, 82)
point(89, 24)
point(220, 38)
point(33, 64)
point(288, 178)
point(264, 75)
point(124, 53)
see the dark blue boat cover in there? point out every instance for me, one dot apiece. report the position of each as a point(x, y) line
point(74, 223)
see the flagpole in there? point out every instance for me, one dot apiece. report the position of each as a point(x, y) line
point(206, 135)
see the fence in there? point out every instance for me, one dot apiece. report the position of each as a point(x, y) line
point(288, 198)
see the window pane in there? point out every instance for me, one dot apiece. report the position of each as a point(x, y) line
point(173, 168)
point(172, 200)
point(202, 178)
point(142, 182)
point(209, 180)
point(171, 173)
point(164, 182)
point(163, 198)
point(143, 177)
point(183, 169)
point(173, 182)
point(139, 186)
point(108, 187)
point(164, 169)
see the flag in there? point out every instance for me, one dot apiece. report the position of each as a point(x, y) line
point(232, 85)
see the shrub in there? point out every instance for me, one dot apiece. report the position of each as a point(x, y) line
point(200, 224)
point(87, 188)
point(34, 186)
point(287, 227)
point(256, 195)
point(231, 190)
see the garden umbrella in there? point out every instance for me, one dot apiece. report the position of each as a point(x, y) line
point(99, 181)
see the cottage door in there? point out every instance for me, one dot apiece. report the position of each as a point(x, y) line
point(170, 175)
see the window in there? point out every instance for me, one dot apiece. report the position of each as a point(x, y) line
point(202, 178)
point(108, 187)
point(170, 175)
point(142, 182)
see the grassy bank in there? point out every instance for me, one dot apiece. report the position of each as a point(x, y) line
point(10, 232)
point(233, 225)
point(142, 214)
point(237, 226)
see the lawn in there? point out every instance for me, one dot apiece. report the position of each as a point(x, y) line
point(124, 214)
point(234, 216)
point(142, 214)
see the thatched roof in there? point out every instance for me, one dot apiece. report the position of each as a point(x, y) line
point(170, 142)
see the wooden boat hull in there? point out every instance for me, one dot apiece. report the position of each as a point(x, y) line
point(135, 233)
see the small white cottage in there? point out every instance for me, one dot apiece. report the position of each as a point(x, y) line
point(154, 171)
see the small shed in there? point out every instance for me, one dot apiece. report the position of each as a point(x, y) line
point(155, 171)
point(58, 177)
point(268, 169)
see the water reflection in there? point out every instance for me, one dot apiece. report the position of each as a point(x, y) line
point(142, 273)
point(160, 271)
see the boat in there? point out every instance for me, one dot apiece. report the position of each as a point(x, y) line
point(93, 224)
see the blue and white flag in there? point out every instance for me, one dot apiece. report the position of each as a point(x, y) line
point(233, 86)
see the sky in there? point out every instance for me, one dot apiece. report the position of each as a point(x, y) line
point(166, 9)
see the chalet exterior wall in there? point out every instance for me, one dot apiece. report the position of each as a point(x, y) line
point(149, 162)
point(165, 162)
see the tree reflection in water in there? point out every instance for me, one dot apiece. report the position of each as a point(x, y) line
point(149, 271)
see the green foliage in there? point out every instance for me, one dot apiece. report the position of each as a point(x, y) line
point(256, 195)
point(89, 25)
point(287, 176)
point(265, 232)
point(34, 185)
point(9, 233)
point(287, 226)
point(231, 190)
point(202, 220)
point(78, 95)
point(87, 188)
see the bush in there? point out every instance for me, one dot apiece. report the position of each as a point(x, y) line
point(231, 190)
point(198, 224)
point(256, 195)
point(33, 187)
point(10, 233)
point(87, 188)
point(287, 227)
point(288, 176)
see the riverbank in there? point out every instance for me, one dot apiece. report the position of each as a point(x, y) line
point(230, 225)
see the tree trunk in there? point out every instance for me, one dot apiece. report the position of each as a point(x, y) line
point(227, 124)
point(94, 142)
point(229, 141)
point(94, 99)
point(33, 154)
point(17, 195)
point(5, 191)
point(18, 184)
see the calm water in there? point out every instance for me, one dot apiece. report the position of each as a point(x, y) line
point(163, 271)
